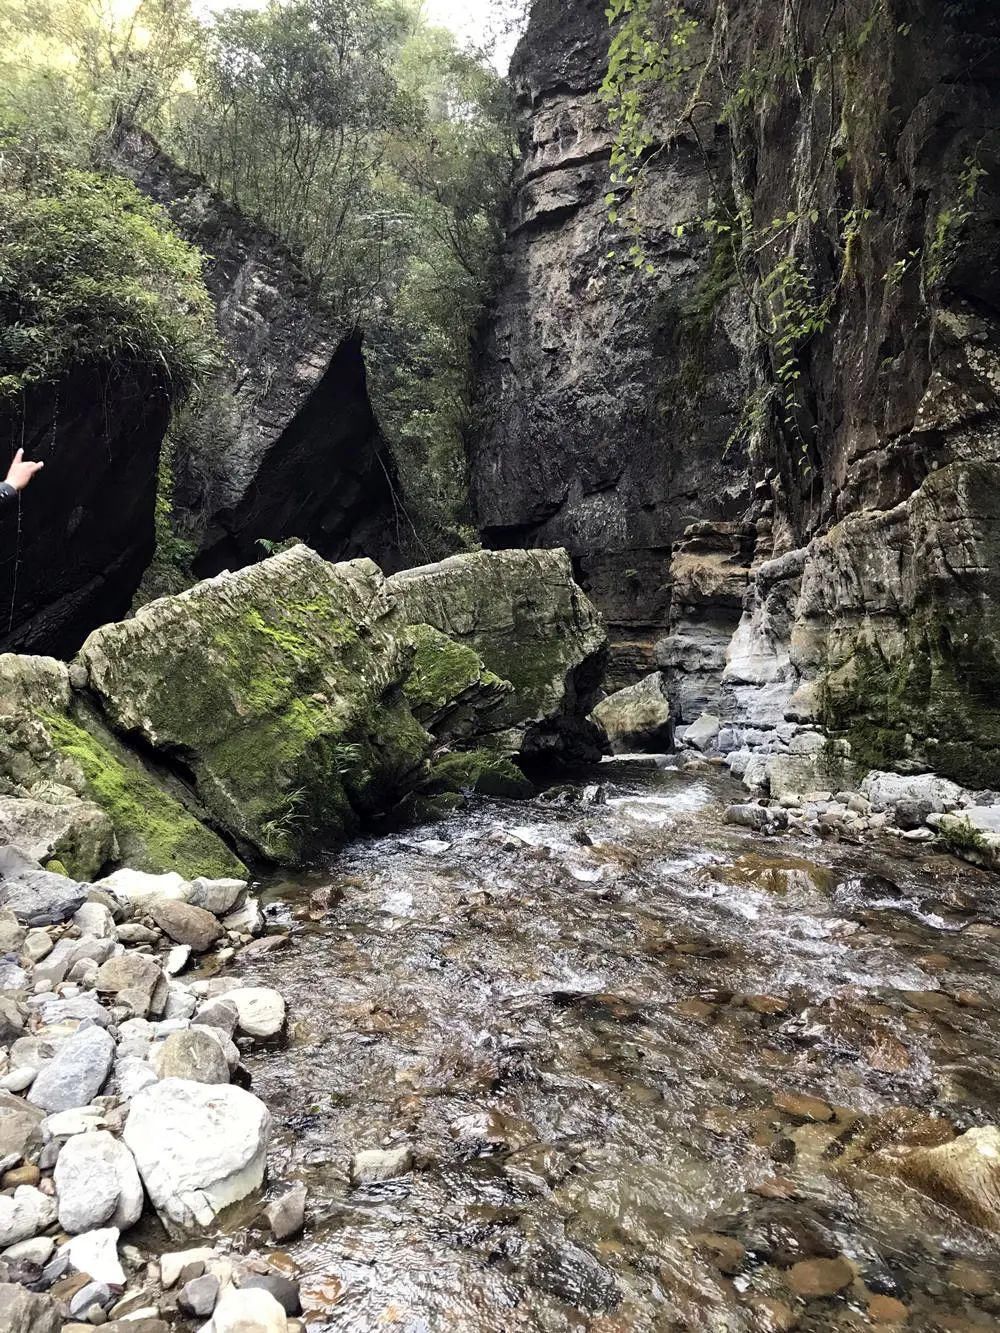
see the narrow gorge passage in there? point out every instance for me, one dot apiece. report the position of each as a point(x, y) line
point(650, 1068)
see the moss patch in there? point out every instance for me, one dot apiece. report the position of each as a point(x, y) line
point(154, 830)
point(482, 772)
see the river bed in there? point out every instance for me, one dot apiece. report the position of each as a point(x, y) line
point(591, 1023)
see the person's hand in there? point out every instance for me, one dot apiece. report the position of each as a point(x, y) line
point(21, 472)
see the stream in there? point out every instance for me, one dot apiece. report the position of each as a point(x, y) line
point(593, 1023)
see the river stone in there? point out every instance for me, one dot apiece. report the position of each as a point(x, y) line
point(812, 1278)
point(701, 735)
point(132, 1074)
point(757, 817)
point(260, 1010)
point(76, 1073)
point(377, 1164)
point(37, 897)
point(24, 1214)
point(198, 1147)
point(185, 924)
point(217, 896)
point(286, 1216)
point(198, 1297)
point(174, 1262)
point(12, 933)
point(637, 718)
point(974, 834)
point(219, 1013)
point(96, 1254)
point(190, 1055)
point(97, 1182)
point(94, 918)
point(963, 1175)
point(23, 1311)
point(284, 1291)
point(244, 1310)
point(134, 979)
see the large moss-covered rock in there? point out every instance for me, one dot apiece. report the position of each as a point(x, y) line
point(279, 690)
point(60, 765)
point(522, 614)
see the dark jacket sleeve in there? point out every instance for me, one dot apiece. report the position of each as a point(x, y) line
point(8, 495)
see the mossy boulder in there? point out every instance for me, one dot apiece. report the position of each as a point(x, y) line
point(56, 753)
point(279, 690)
point(530, 624)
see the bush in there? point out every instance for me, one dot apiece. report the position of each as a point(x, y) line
point(92, 273)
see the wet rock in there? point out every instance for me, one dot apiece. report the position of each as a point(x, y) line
point(286, 1215)
point(245, 1310)
point(198, 1296)
point(887, 1310)
point(909, 815)
point(284, 1291)
point(812, 1278)
point(760, 818)
point(772, 1315)
point(24, 1214)
point(23, 1311)
point(173, 1263)
point(198, 1147)
point(724, 1252)
point(37, 897)
point(186, 924)
point(97, 1183)
point(963, 1174)
point(76, 1073)
point(260, 1010)
point(637, 718)
point(190, 1055)
point(96, 1254)
point(378, 1164)
point(802, 1107)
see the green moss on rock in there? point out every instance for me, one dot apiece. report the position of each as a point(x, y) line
point(482, 772)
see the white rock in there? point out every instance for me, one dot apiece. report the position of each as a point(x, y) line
point(886, 790)
point(199, 1147)
point(217, 896)
point(96, 1253)
point(132, 1075)
point(702, 734)
point(139, 888)
point(97, 1182)
point(249, 1310)
point(376, 1164)
point(95, 919)
point(177, 960)
point(38, 1250)
point(174, 1262)
point(24, 1214)
point(65, 1124)
point(261, 1010)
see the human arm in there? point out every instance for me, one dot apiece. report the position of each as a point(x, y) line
point(19, 475)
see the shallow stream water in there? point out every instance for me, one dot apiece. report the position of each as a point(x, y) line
point(581, 1017)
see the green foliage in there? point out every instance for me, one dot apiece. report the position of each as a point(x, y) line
point(961, 836)
point(91, 273)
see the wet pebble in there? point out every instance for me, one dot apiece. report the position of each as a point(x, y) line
point(812, 1278)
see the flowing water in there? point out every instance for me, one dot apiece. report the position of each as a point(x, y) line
point(580, 1016)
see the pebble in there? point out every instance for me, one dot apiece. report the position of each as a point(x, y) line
point(377, 1164)
point(284, 1291)
point(802, 1107)
point(198, 1296)
point(811, 1278)
point(887, 1310)
point(286, 1215)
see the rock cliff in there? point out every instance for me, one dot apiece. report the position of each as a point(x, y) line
point(299, 453)
point(853, 581)
point(608, 394)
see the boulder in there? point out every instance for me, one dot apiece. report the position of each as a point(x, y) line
point(286, 1215)
point(217, 896)
point(638, 718)
point(97, 1182)
point(56, 748)
point(190, 1055)
point(186, 924)
point(79, 834)
point(198, 1147)
point(139, 888)
point(76, 1073)
point(280, 685)
point(198, 1296)
point(887, 790)
point(260, 1010)
point(973, 834)
point(759, 818)
point(22, 1311)
point(530, 624)
point(37, 897)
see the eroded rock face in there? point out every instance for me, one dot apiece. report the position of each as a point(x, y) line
point(302, 455)
point(608, 394)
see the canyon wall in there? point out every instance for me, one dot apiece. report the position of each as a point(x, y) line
point(855, 148)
